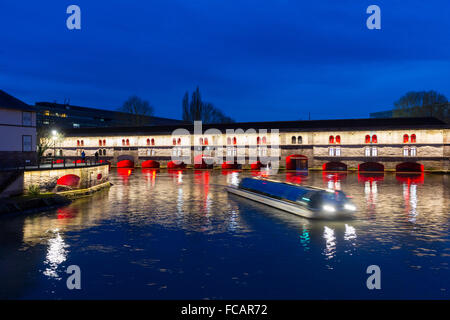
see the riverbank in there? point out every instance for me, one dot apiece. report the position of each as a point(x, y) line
point(26, 204)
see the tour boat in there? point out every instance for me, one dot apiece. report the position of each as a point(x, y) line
point(304, 201)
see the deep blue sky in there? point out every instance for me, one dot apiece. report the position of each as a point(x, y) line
point(255, 60)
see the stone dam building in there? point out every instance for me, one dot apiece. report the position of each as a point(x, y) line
point(392, 144)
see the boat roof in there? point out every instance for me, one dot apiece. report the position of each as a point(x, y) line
point(290, 183)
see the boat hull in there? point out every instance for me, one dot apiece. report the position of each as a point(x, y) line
point(287, 206)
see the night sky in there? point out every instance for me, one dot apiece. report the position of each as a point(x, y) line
point(255, 60)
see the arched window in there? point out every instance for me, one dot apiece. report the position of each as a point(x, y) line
point(264, 140)
point(100, 143)
point(104, 142)
point(128, 142)
point(405, 138)
point(104, 152)
point(367, 139)
point(228, 140)
point(174, 141)
point(331, 139)
point(206, 141)
point(200, 141)
point(374, 139)
point(153, 142)
point(123, 142)
point(258, 140)
point(293, 140)
point(179, 141)
point(413, 138)
point(82, 142)
point(78, 143)
point(338, 139)
point(299, 140)
point(234, 140)
point(148, 142)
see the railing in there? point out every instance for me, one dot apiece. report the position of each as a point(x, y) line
point(53, 163)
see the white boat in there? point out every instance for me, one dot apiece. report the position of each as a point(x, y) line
point(308, 202)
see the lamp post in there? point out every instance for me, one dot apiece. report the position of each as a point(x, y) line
point(54, 137)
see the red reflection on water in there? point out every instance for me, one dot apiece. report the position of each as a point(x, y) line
point(150, 175)
point(410, 178)
point(125, 173)
point(201, 177)
point(296, 177)
point(67, 213)
point(363, 177)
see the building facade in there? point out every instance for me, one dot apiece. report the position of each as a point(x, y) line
point(17, 132)
point(62, 116)
point(398, 144)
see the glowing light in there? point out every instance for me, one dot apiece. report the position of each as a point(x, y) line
point(329, 208)
point(350, 232)
point(56, 254)
point(350, 207)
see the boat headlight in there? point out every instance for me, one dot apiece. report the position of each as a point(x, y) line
point(329, 208)
point(349, 207)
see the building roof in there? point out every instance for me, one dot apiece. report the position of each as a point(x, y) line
point(7, 101)
point(107, 115)
point(283, 126)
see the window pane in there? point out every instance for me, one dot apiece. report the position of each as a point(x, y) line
point(26, 118)
point(26, 143)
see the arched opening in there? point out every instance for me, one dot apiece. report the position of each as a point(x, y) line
point(69, 180)
point(78, 143)
point(334, 166)
point(153, 142)
point(125, 164)
point(367, 140)
point(128, 142)
point(179, 141)
point(296, 162)
point(234, 140)
point(405, 138)
point(206, 141)
point(228, 140)
point(100, 143)
point(123, 142)
point(331, 140)
point(264, 140)
point(176, 165)
point(371, 167)
point(338, 139)
point(409, 167)
point(294, 140)
point(150, 164)
point(258, 140)
point(230, 165)
point(413, 138)
point(148, 142)
point(200, 162)
point(256, 165)
point(104, 142)
point(299, 140)
point(200, 141)
point(374, 139)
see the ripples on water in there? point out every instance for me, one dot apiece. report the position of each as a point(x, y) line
point(160, 234)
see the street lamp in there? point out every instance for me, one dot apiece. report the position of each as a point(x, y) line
point(54, 137)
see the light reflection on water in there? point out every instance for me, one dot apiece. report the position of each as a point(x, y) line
point(180, 228)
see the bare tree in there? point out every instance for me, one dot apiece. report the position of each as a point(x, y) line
point(422, 104)
point(138, 109)
point(199, 110)
point(46, 140)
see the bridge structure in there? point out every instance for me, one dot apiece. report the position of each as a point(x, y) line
point(365, 145)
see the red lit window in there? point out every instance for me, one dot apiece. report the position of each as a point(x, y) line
point(206, 141)
point(367, 139)
point(200, 141)
point(123, 142)
point(153, 142)
point(413, 138)
point(405, 138)
point(258, 141)
point(179, 141)
point(374, 139)
point(78, 142)
point(338, 139)
point(128, 142)
point(264, 140)
point(82, 143)
point(234, 140)
point(104, 142)
point(228, 140)
point(148, 142)
point(174, 141)
point(100, 143)
point(331, 139)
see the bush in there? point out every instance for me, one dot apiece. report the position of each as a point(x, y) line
point(33, 190)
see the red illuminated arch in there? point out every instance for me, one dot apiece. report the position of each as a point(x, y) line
point(148, 142)
point(150, 164)
point(174, 141)
point(371, 166)
point(367, 139)
point(296, 162)
point(374, 139)
point(178, 165)
point(234, 140)
point(334, 166)
point(258, 140)
point(179, 141)
point(409, 167)
point(256, 165)
point(100, 143)
point(70, 180)
point(230, 165)
point(405, 138)
point(413, 138)
point(153, 142)
point(104, 142)
point(264, 140)
point(338, 139)
point(331, 139)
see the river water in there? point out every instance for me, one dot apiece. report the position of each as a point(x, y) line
point(179, 235)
